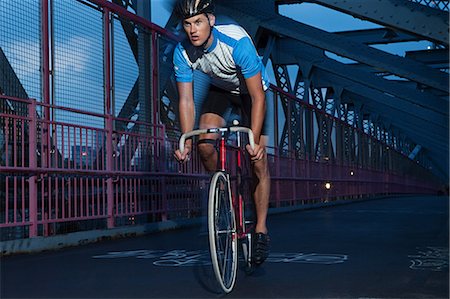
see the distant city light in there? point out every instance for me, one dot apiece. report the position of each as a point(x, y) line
point(328, 185)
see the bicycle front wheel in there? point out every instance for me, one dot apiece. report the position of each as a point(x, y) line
point(222, 231)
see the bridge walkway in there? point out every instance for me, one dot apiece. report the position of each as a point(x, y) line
point(393, 247)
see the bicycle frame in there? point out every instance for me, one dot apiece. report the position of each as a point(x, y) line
point(226, 204)
point(238, 200)
point(238, 197)
point(222, 158)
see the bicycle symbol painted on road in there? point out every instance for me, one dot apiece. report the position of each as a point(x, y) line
point(430, 258)
point(179, 258)
point(307, 258)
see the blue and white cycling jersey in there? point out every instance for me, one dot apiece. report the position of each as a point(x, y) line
point(229, 60)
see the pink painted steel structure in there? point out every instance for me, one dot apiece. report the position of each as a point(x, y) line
point(59, 176)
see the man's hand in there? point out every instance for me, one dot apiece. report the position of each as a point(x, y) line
point(257, 153)
point(184, 156)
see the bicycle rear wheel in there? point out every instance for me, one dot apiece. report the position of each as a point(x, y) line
point(222, 231)
point(248, 216)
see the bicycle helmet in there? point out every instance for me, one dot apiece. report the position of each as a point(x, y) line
point(188, 8)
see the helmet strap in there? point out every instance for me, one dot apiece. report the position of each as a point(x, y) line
point(210, 32)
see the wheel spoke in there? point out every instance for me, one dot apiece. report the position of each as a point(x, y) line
point(222, 228)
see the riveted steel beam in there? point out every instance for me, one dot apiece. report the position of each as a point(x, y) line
point(283, 26)
point(435, 146)
point(400, 66)
point(9, 82)
point(414, 18)
point(430, 57)
point(434, 139)
point(435, 142)
point(437, 106)
point(378, 36)
point(385, 104)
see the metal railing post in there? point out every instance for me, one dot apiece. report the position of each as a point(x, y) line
point(109, 117)
point(45, 47)
point(277, 150)
point(32, 183)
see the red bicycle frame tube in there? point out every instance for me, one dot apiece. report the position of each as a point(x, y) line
point(223, 153)
point(237, 197)
point(240, 199)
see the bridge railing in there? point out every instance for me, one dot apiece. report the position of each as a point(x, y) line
point(70, 187)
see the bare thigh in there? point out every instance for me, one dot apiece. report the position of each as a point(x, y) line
point(208, 154)
point(208, 121)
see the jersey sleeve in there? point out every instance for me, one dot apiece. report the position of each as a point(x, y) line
point(183, 71)
point(246, 57)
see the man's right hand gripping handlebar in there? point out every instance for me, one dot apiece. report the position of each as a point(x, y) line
point(183, 153)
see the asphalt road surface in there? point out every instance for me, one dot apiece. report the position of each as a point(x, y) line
point(395, 247)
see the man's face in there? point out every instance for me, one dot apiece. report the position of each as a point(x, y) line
point(197, 28)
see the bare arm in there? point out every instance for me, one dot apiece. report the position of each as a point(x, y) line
point(186, 114)
point(258, 112)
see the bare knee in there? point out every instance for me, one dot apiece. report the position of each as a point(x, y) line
point(208, 155)
point(261, 169)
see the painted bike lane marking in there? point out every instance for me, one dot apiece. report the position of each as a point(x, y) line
point(430, 258)
point(181, 257)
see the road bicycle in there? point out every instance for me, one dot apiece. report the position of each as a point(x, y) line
point(228, 202)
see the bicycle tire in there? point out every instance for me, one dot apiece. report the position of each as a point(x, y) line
point(248, 213)
point(247, 254)
point(248, 225)
point(222, 231)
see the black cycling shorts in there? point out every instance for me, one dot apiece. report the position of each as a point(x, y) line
point(230, 107)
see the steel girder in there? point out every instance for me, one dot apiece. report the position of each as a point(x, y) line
point(319, 146)
point(282, 78)
point(426, 132)
point(426, 105)
point(323, 40)
point(424, 127)
point(292, 127)
point(378, 36)
point(437, 4)
point(391, 64)
point(435, 150)
point(141, 46)
point(400, 66)
point(250, 18)
point(323, 145)
point(394, 119)
point(437, 153)
point(437, 58)
point(429, 23)
point(9, 82)
point(384, 62)
point(11, 85)
point(339, 45)
point(424, 114)
point(165, 69)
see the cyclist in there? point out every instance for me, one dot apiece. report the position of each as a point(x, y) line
point(238, 82)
